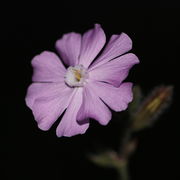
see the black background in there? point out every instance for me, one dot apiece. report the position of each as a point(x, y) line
point(34, 154)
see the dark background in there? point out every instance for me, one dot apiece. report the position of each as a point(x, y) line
point(34, 154)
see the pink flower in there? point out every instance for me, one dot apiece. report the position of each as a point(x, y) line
point(86, 87)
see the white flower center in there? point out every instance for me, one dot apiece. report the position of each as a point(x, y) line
point(76, 76)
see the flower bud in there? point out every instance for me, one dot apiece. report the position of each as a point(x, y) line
point(153, 105)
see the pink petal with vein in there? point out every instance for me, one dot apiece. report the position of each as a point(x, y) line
point(69, 48)
point(116, 98)
point(47, 102)
point(47, 67)
point(115, 71)
point(93, 107)
point(92, 43)
point(69, 125)
point(117, 45)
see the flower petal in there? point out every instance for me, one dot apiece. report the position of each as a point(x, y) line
point(69, 125)
point(115, 71)
point(118, 45)
point(47, 68)
point(69, 48)
point(38, 90)
point(116, 98)
point(93, 107)
point(92, 43)
point(48, 101)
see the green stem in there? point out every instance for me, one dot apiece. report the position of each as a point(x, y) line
point(123, 172)
point(124, 142)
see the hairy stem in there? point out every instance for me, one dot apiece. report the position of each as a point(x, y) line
point(123, 173)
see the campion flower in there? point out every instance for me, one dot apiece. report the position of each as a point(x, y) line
point(90, 84)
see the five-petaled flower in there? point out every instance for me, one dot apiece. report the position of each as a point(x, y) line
point(86, 87)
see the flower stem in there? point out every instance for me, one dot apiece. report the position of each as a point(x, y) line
point(123, 172)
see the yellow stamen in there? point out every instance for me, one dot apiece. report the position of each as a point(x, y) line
point(77, 75)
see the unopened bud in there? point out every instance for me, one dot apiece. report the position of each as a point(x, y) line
point(152, 107)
